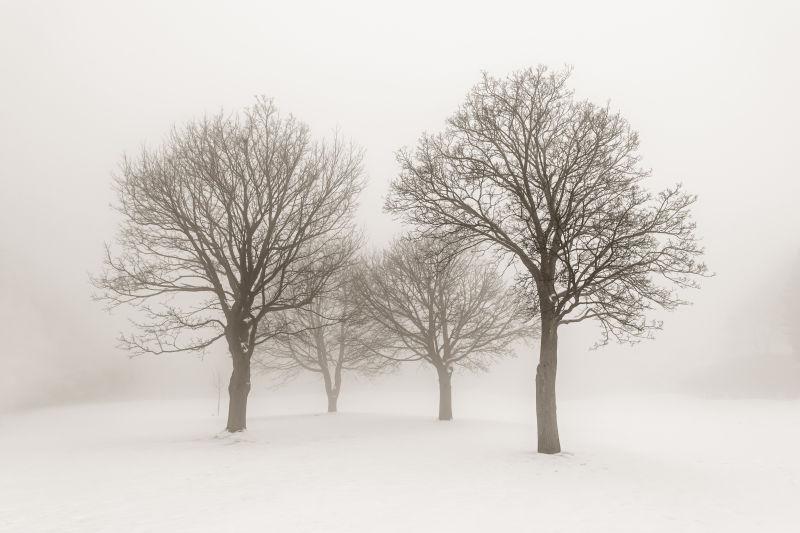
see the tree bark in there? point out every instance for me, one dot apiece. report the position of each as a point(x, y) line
point(445, 394)
point(238, 389)
point(333, 400)
point(546, 421)
point(331, 388)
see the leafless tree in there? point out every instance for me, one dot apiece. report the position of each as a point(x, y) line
point(216, 380)
point(324, 338)
point(556, 183)
point(233, 219)
point(783, 307)
point(427, 304)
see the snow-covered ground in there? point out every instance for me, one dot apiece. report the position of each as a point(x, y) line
point(652, 464)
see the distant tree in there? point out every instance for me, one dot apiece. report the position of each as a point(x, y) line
point(216, 380)
point(323, 337)
point(427, 304)
point(556, 184)
point(233, 219)
point(783, 308)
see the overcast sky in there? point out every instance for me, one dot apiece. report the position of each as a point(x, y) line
point(712, 88)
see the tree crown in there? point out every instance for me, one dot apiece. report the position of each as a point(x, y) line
point(426, 303)
point(557, 184)
point(232, 218)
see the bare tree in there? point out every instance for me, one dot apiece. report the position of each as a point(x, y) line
point(556, 184)
point(323, 338)
point(233, 219)
point(216, 380)
point(427, 304)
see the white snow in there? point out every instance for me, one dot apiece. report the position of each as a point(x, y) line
point(654, 464)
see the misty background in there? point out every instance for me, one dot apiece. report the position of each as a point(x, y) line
point(710, 86)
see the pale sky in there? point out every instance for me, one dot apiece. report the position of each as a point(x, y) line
point(712, 87)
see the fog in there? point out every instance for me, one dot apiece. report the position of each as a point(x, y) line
point(711, 87)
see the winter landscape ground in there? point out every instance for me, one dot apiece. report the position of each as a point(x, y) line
point(659, 463)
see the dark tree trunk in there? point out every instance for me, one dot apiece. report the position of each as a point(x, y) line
point(331, 388)
point(546, 422)
point(445, 394)
point(238, 389)
point(333, 399)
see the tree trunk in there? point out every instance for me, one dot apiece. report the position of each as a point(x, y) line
point(445, 394)
point(331, 389)
point(546, 422)
point(333, 399)
point(238, 389)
